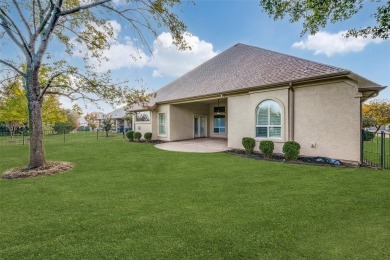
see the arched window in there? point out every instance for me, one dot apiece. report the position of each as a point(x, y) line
point(269, 120)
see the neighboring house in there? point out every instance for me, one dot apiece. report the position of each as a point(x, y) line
point(247, 91)
point(121, 123)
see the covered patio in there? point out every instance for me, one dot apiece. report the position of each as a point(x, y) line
point(201, 145)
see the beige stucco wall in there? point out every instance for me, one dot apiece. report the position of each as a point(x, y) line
point(326, 115)
point(181, 120)
point(143, 127)
point(242, 117)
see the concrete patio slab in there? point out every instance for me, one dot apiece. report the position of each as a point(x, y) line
point(202, 145)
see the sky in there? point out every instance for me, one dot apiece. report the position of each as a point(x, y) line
point(216, 25)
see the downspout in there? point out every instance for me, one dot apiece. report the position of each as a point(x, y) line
point(291, 112)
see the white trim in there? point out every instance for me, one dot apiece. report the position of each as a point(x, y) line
point(165, 124)
point(193, 125)
point(268, 126)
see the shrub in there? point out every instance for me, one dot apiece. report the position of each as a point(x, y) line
point(291, 150)
point(148, 136)
point(267, 148)
point(368, 136)
point(130, 135)
point(137, 136)
point(249, 144)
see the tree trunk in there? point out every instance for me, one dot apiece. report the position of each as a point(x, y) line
point(37, 152)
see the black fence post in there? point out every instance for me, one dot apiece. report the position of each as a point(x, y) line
point(362, 147)
point(64, 135)
point(97, 135)
point(23, 136)
point(382, 154)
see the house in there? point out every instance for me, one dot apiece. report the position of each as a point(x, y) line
point(247, 91)
point(121, 121)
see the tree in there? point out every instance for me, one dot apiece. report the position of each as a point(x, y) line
point(70, 124)
point(52, 111)
point(107, 124)
point(317, 13)
point(368, 122)
point(379, 110)
point(92, 120)
point(30, 27)
point(13, 106)
point(14, 111)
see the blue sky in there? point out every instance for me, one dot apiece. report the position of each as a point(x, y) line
point(216, 25)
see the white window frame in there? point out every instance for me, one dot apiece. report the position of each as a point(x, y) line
point(268, 126)
point(165, 124)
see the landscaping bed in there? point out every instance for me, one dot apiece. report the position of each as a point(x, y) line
point(301, 159)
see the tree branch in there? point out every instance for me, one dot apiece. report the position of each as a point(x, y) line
point(12, 67)
point(6, 19)
point(22, 17)
point(83, 7)
point(49, 83)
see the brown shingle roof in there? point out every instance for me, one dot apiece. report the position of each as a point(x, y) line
point(241, 67)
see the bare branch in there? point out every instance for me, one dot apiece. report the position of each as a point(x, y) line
point(6, 20)
point(22, 17)
point(43, 19)
point(13, 67)
point(83, 7)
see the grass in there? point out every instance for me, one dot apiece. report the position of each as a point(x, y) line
point(132, 201)
point(372, 152)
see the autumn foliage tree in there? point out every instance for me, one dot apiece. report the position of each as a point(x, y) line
point(29, 26)
point(378, 111)
point(14, 110)
point(13, 107)
point(92, 120)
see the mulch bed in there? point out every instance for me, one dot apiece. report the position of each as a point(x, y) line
point(280, 158)
point(50, 168)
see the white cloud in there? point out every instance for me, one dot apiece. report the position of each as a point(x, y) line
point(120, 54)
point(168, 60)
point(330, 44)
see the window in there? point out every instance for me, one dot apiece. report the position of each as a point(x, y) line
point(269, 120)
point(219, 124)
point(142, 116)
point(162, 124)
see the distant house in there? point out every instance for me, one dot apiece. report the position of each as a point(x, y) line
point(247, 91)
point(122, 120)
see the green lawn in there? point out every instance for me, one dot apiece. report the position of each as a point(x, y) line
point(372, 151)
point(132, 201)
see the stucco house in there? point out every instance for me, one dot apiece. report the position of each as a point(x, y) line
point(121, 120)
point(253, 92)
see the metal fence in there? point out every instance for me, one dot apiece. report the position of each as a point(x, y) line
point(23, 137)
point(376, 149)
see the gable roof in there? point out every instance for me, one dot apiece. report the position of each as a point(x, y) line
point(118, 113)
point(243, 67)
